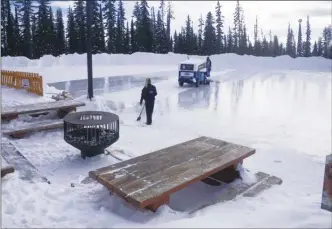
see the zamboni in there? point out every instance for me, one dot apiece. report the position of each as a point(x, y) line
point(193, 71)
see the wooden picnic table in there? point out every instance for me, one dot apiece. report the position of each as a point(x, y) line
point(147, 181)
point(62, 106)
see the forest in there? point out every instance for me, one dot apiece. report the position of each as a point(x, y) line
point(31, 29)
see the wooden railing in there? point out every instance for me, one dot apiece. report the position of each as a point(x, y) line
point(32, 82)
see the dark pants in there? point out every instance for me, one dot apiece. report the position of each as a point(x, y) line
point(149, 105)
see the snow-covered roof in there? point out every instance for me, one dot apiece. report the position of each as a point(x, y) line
point(193, 61)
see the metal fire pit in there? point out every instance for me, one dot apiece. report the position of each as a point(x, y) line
point(91, 131)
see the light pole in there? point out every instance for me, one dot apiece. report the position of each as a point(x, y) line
point(88, 48)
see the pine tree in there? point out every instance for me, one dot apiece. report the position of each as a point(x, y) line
point(209, 43)
point(80, 23)
point(155, 45)
point(60, 41)
point(144, 33)
point(307, 44)
point(327, 40)
point(315, 50)
point(200, 35)
point(72, 33)
point(120, 29)
point(219, 27)
point(170, 16)
point(320, 47)
point(230, 42)
point(237, 30)
point(52, 35)
point(25, 13)
point(101, 31)
point(275, 47)
point(109, 13)
point(34, 36)
point(5, 7)
point(17, 35)
point(133, 43)
point(161, 37)
point(289, 42)
point(127, 40)
point(299, 41)
point(257, 43)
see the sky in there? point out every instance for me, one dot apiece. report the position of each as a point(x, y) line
point(272, 15)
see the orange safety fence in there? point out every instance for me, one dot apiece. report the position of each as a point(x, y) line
point(33, 82)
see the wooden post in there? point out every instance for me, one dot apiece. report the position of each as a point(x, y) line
point(6, 170)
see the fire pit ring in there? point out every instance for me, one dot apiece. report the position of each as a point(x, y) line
point(91, 131)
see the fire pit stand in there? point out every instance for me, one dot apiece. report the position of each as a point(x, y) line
point(91, 131)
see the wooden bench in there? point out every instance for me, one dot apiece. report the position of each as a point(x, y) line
point(21, 131)
point(62, 107)
point(147, 181)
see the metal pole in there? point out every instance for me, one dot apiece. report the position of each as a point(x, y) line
point(88, 48)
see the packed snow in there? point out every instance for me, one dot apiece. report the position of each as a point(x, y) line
point(279, 106)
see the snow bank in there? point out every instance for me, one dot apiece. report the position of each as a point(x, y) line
point(219, 61)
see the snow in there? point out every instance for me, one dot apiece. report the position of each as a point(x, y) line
point(279, 106)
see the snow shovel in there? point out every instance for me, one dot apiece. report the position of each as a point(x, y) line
point(139, 117)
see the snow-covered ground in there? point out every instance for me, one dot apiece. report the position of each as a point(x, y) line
point(279, 106)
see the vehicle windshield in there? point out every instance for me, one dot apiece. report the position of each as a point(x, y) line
point(187, 67)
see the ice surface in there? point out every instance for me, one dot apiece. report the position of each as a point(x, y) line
point(279, 106)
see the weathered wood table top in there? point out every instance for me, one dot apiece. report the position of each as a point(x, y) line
point(144, 179)
point(37, 107)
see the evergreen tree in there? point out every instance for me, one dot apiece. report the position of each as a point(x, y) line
point(275, 47)
point(230, 42)
point(209, 43)
point(320, 47)
point(133, 44)
point(170, 16)
point(299, 41)
point(17, 35)
point(327, 41)
point(161, 37)
point(120, 28)
point(80, 23)
point(307, 44)
point(72, 33)
point(315, 50)
point(257, 43)
point(109, 13)
point(5, 7)
point(127, 40)
point(101, 31)
point(34, 36)
point(52, 35)
point(219, 27)
point(200, 35)
point(155, 45)
point(144, 33)
point(25, 13)
point(60, 41)
point(238, 26)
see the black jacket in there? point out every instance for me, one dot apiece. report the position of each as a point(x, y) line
point(148, 93)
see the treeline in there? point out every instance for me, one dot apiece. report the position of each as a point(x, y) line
point(32, 29)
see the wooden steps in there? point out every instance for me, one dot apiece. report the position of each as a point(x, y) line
point(33, 127)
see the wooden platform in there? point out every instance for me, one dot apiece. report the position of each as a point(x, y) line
point(147, 181)
point(62, 106)
point(33, 127)
point(15, 158)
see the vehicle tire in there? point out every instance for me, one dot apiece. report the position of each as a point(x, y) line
point(180, 83)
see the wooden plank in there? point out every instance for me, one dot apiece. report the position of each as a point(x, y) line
point(6, 170)
point(14, 157)
point(142, 159)
point(145, 179)
point(34, 127)
point(38, 107)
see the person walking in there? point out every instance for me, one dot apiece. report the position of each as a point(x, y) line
point(148, 94)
